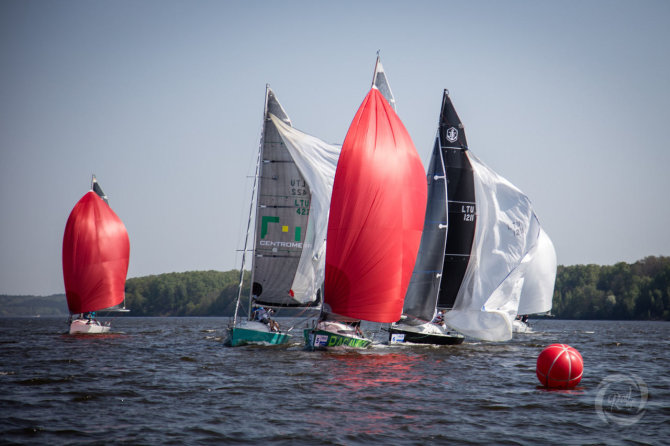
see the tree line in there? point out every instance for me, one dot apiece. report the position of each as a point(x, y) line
point(193, 293)
point(639, 291)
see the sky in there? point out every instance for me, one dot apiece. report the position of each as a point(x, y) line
point(163, 101)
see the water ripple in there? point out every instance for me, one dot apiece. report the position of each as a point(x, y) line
point(171, 381)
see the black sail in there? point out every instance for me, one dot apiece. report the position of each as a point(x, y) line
point(98, 190)
point(462, 211)
point(381, 82)
point(449, 226)
point(421, 297)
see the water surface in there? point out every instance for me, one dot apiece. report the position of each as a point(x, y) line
point(172, 381)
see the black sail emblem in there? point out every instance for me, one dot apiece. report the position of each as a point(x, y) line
point(452, 134)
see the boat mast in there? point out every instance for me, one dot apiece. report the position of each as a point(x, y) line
point(251, 209)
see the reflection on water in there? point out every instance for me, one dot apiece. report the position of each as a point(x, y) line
point(357, 391)
point(578, 390)
point(84, 337)
point(358, 371)
point(171, 380)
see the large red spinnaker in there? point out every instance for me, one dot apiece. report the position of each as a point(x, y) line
point(96, 251)
point(376, 216)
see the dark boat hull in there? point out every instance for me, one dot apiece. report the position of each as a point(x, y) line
point(401, 336)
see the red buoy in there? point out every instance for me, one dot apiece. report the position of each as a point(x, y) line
point(559, 365)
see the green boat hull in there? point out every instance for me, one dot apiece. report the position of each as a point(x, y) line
point(243, 336)
point(321, 339)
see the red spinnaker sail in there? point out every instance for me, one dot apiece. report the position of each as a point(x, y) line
point(376, 216)
point(96, 251)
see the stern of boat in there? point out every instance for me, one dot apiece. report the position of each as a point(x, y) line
point(427, 333)
point(252, 332)
point(332, 334)
point(85, 326)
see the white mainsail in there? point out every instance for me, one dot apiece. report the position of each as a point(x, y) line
point(513, 263)
point(316, 161)
point(537, 294)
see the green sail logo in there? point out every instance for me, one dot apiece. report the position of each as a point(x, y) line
point(266, 220)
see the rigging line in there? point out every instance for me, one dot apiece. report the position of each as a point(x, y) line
point(264, 195)
point(461, 202)
point(452, 147)
point(246, 237)
point(295, 324)
point(278, 256)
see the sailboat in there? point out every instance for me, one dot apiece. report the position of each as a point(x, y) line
point(96, 253)
point(444, 250)
point(374, 227)
point(291, 205)
point(521, 325)
point(484, 256)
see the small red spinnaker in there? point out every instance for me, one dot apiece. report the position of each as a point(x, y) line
point(96, 251)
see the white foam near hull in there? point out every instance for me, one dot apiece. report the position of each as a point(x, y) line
point(85, 326)
point(520, 327)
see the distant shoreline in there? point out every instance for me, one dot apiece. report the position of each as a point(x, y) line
point(620, 292)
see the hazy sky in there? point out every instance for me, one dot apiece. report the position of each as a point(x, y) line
point(163, 101)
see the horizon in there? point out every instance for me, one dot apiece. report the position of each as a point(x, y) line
point(62, 293)
point(163, 102)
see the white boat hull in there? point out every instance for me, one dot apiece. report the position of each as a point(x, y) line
point(253, 332)
point(85, 326)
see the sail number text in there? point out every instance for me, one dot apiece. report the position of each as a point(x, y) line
point(468, 212)
point(299, 189)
